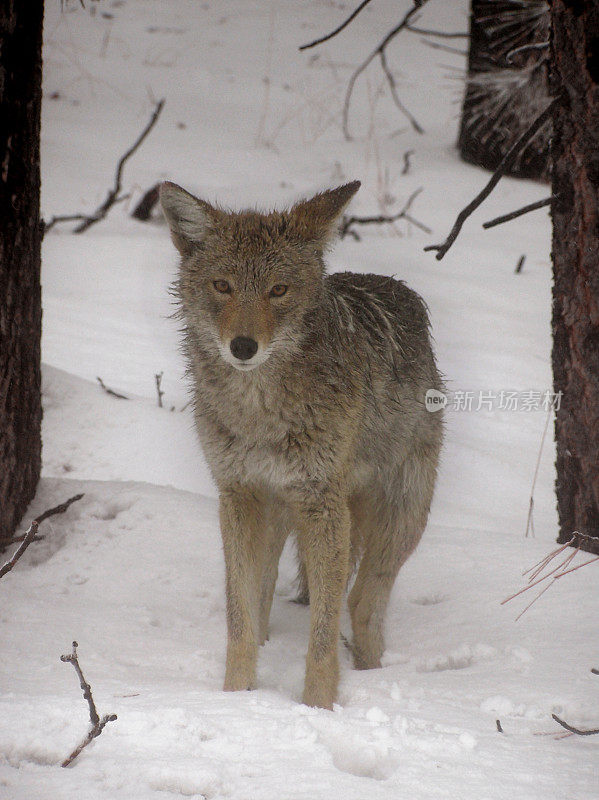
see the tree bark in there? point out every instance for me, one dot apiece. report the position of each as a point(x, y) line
point(20, 240)
point(504, 95)
point(575, 212)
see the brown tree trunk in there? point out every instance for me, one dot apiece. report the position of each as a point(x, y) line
point(506, 91)
point(20, 239)
point(575, 152)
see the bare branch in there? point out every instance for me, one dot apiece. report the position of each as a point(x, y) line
point(505, 164)
point(570, 728)
point(346, 229)
point(515, 214)
point(60, 509)
point(406, 161)
point(337, 30)
point(97, 723)
point(29, 536)
point(445, 47)
point(159, 391)
point(114, 195)
point(111, 392)
point(520, 263)
point(440, 34)
point(378, 49)
point(46, 226)
point(392, 85)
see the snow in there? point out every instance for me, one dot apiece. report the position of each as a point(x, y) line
point(134, 570)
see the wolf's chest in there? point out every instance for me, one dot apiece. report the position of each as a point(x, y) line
point(259, 437)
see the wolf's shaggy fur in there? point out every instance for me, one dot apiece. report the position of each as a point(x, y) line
point(322, 432)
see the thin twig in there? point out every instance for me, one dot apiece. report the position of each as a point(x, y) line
point(345, 228)
point(158, 378)
point(520, 264)
point(29, 536)
point(529, 521)
point(393, 86)
point(46, 226)
point(337, 30)
point(563, 568)
point(515, 214)
point(377, 50)
point(406, 161)
point(111, 392)
point(445, 47)
point(504, 166)
point(572, 729)
point(97, 723)
point(440, 34)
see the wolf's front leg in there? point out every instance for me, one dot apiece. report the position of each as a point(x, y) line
point(241, 530)
point(325, 531)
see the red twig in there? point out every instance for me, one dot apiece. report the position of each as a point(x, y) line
point(535, 572)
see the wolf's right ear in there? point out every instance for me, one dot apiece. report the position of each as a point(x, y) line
point(188, 217)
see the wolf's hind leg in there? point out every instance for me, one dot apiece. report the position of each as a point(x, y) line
point(390, 527)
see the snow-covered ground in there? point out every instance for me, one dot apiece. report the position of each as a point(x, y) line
point(134, 571)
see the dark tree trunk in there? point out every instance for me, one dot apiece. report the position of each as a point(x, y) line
point(575, 152)
point(504, 95)
point(20, 295)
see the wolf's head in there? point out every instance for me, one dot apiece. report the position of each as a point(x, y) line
point(248, 279)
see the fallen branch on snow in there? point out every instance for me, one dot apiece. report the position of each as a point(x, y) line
point(572, 729)
point(111, 392)
point(97, 724)
point(31, 534)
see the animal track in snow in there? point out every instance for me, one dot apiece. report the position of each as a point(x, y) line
point(110, 509)
point(428, 600)
point(460, 658)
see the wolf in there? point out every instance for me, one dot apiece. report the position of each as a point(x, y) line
point(309, 402)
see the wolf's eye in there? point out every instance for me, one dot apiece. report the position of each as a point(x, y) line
point(278, 290)
point(222, 286)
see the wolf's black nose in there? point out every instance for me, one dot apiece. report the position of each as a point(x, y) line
point(243, 347)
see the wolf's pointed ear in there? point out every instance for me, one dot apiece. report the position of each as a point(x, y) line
point(188, 217)
point(318, 219)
